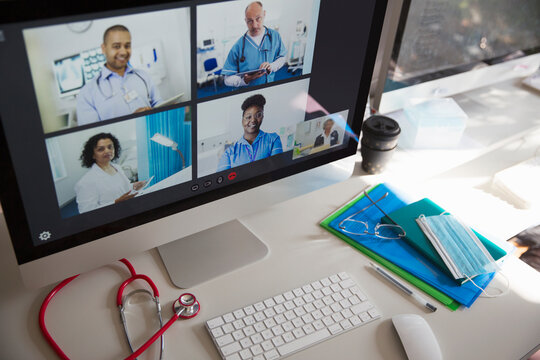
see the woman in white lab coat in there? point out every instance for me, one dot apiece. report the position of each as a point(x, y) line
point(105, 183)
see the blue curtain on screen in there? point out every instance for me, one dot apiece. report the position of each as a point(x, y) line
point(159, 160)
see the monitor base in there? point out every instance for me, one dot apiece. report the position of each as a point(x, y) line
point(210, 253)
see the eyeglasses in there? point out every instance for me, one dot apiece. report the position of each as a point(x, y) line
point(258, 20)
point(358, 227)
point(258, 115)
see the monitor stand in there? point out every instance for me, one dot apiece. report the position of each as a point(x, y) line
point(210, 253)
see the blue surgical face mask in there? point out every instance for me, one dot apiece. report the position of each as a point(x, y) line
point(461, 250)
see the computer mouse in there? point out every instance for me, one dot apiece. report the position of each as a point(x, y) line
point(417, 337)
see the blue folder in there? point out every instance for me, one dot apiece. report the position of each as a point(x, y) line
point(400, 253)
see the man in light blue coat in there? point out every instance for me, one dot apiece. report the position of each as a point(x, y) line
point(260, 48)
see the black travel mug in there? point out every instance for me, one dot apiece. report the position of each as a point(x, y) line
point(379, 140)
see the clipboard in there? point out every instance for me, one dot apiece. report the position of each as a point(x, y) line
point(170, 101)
point(141, 191)
point(251, 72)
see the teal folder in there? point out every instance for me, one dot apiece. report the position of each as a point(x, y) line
point(399, 254)
point(406, 218)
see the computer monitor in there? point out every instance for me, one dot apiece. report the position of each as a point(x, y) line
point(130, 175)
point(442, 48)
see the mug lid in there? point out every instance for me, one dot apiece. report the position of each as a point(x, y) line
point(381, 126)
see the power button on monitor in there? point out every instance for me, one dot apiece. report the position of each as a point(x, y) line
point(232, 176)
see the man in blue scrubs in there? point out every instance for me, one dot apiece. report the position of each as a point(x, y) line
point(259, 48)
point(119, 89)
point(255, 144)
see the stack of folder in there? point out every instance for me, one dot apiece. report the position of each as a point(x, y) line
point(413, 257)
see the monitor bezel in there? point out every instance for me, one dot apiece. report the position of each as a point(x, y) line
point(11, 197)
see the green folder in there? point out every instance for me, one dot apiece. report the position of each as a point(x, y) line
point(428, 289)
point(406, 218)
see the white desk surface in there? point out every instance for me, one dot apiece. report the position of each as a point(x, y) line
point(84, 320)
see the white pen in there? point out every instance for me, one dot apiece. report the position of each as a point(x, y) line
point(404, 288)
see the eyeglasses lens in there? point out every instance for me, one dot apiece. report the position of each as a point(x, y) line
point(389, 231)
point(354, 227)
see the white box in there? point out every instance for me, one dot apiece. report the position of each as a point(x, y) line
point(435, 123)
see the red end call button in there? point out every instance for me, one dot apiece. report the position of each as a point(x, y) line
point(232, 176)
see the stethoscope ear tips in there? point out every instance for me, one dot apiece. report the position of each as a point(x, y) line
point(186, 306)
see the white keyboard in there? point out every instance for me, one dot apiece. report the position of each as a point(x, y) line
point(294, 320)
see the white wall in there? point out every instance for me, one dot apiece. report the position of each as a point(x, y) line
point(46, 44)
point(71, 146)
point(225, 23)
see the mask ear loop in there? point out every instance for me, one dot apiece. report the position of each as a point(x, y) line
point(486, 294)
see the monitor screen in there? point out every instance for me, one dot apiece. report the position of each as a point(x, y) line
point(163, 126)
point(483, 41)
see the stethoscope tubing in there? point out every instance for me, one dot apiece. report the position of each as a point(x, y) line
point(266, 34)
point(42, 312)
point(134, 275)
point(111, 89)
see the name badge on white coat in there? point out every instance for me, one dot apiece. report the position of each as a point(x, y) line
point(130, 96)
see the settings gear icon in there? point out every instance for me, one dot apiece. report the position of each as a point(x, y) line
point(45, 235)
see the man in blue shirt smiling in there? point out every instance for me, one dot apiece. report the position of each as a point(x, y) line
point(255, 144)
point(119, 89)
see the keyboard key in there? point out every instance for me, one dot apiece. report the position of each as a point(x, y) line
point(285, 323)
point(257, 349)
point(231, 348)
point(303, 342)
point(227, 328)
point(246, 343)
point(278, 340)
point(224, 340)
point(234, 356)
point(334, 279)
point(335, 328)
point(246, 354)
point(343, 275)
point(271, 355)
point(215, 322)
point(267, 345)
point(288, 295)
point(357, 309)
point(239, 314)
point(217, 332)
point(239, 335)
point(249, 310)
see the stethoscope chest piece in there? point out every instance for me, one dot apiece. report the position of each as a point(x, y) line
point(186, 306)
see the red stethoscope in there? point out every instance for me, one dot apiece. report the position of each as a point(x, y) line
point(185, 307)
